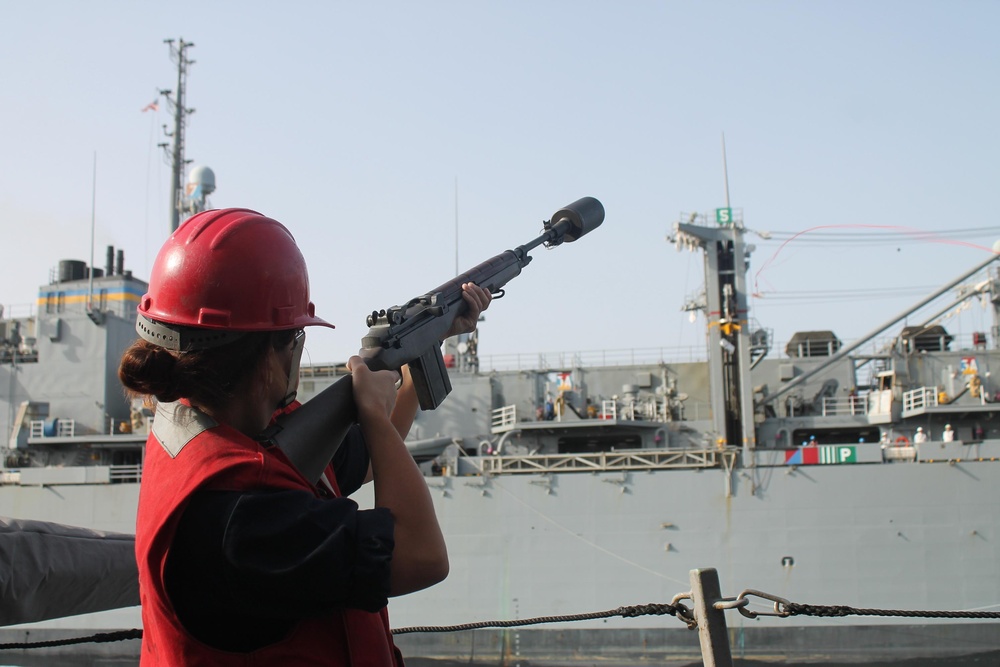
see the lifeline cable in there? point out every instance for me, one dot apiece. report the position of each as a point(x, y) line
point(828, 611)
point(790, 609)
point(103, 637)
point(625, 612)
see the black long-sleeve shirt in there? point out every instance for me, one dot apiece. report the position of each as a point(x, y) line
point(244, 566)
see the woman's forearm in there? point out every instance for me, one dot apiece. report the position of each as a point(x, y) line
point(420, 557)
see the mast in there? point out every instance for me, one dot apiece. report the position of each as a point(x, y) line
point(93, 232)
point(178, 54)
point(726, 256)
point(725, 170)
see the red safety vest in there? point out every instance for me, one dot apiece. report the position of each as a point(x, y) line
point(202, 455)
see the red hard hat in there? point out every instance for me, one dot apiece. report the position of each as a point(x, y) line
point(222, 273)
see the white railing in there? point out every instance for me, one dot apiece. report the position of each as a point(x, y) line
point(18, 311)
point(919, 399)
point(591, 358)
point(65, 428)
point(640, 356)
point(645, 459)
point(504, 419)
point(658, 355)
point(132, 473)
point(850, 405)
point(646, 409)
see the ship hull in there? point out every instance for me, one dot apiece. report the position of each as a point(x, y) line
point(900, 536)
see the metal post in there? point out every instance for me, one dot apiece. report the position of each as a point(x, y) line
point(705, 592)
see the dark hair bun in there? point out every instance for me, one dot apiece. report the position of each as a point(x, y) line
point(150, 370)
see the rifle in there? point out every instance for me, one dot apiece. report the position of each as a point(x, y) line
point(411, 334)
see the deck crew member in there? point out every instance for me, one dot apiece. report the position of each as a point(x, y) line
point(920, 436)
point(241, 559)
point(948, 435)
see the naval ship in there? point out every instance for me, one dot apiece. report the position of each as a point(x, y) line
point(581, 485)
point(825, 472)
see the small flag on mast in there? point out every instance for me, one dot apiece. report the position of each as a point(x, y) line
point(152, 106)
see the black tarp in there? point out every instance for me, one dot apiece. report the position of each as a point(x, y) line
point(48, 570)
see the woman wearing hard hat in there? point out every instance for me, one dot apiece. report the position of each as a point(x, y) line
point(241, 559)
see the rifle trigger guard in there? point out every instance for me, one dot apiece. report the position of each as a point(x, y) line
point(498, 294)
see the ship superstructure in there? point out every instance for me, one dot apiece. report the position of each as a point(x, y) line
point(59, 386)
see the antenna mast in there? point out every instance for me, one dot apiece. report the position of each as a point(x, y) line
point(178, 53)
point(93, 229)
point(725, 169)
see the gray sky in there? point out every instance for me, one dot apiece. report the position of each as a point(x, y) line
point(353, 122)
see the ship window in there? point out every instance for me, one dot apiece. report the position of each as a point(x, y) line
point(55, 302)
point(840, 436)
point(598, 443)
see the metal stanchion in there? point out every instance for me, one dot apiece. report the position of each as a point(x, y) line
point(705, 593)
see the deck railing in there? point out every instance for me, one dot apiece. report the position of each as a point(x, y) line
point(64, 428)
point(644, 459)
point(130, 473)
point(643, 356)
point(849, 405)
point(919, 399)
point(504, 419)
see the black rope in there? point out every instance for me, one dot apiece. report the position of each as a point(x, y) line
point(794, 609)
point(121, 635)
point(625, 612)
point(632, 611)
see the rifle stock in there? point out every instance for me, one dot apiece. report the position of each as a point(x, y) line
point(412, 334)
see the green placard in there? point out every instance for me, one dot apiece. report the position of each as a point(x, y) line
point(838, 454)
point(724, 216)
